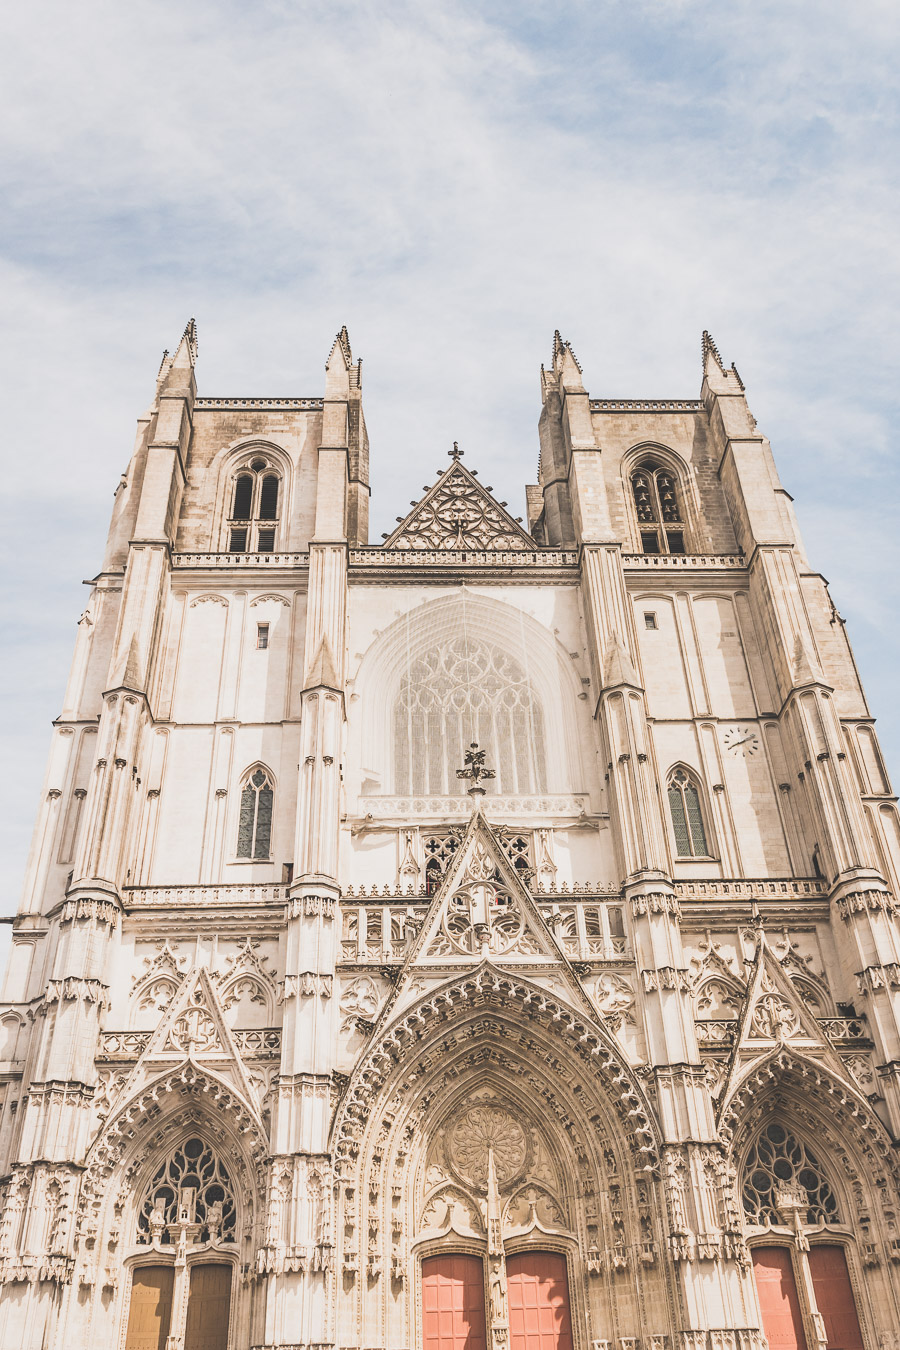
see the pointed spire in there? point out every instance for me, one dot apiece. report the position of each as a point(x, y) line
point(132, 676)
point(323, 670)
point(719, 379)
point(566, 366)
point(618, 667)
point(186, 354)
point(806, 668)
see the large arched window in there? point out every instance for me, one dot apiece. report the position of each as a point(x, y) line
point(255, 827)
point(191, 1187)
point(465, 689)
point(658, 508)
point(779, 1165)
point(255, 507)
point(686, 810)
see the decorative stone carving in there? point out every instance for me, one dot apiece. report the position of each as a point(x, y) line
point(457, 513)
point(481, 1130)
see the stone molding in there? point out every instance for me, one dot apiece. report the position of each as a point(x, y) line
point(89, 907)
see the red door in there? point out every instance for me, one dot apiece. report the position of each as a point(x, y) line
point(538, 1293)
point(778, 1300)
point(834, 1297)
point(453, 1303)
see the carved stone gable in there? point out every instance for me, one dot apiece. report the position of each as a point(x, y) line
point(774, 1014)
point(193, 1029)
point(458, 513)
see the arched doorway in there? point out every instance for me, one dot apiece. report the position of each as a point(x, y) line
point(531, 1303)
point(187, 1217)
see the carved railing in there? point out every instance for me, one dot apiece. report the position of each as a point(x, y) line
point(200, 897)
point(527, 559)
point(251, 404)
point(494, 806)
point(716, 1033)
point(382, 933)
point(254, 1042)
point(647, 405)
point(775, 888)
point(683, 560)
point(232, 561)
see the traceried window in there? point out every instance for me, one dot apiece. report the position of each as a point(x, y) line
point(658, 508)
point(687, 816)
point(462, 690)
point(780, 1168)
point(255, 828)
point(192, 1186)
point(255, 508)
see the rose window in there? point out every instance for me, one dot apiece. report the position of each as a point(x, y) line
point(480, 1131)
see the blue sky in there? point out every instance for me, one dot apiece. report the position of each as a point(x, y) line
point(453, 181)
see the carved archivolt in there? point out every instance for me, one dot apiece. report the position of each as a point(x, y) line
point(529, 1008)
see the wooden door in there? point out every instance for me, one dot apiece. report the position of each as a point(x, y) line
point(834, 1297)
point(453, 1303)
point(538, 1295)
point(209, 1304)
point(150, 1309)
point(778, 1299)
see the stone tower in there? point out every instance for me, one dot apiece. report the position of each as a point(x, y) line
point(483, 939)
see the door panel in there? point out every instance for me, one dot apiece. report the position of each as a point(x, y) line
point(209, 1304)
point(453, 1303)
point(778, 1299)
point(834, 1297)
point(538, 1294)
point(150, 1309)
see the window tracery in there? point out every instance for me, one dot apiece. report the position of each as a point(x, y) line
point(687, 816)
point(192, 1186)
point(658, 508)
point(782, 1173)
point(254, 508)
point(255, 825)
point(464, 689)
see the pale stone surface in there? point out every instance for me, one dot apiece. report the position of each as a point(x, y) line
point(423, 1021)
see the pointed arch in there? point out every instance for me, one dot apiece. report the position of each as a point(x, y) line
point(527, 667)
point(663, 510)
point(823, 1106)
point(217, 501)
point(690, 819)
point(178, 1102)
point(256, 813)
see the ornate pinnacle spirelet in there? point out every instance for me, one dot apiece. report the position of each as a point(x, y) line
point(475, 770)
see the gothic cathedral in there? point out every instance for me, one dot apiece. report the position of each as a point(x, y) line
point(483, 940)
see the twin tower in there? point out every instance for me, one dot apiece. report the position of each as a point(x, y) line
point(487, 938)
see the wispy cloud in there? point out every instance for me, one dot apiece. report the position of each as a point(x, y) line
point(454, 181)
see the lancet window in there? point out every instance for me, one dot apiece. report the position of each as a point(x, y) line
point(686, 811)
point(255, 508)
point(255, 826)
point(191, 1188)
point(658, 508)
point(461, 690)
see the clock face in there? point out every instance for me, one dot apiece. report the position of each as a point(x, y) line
point(741, 741)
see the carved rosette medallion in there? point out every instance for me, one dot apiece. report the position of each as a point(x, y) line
point(482, 917)
point(477, 1131)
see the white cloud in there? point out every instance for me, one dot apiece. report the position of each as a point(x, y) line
point(453, 181)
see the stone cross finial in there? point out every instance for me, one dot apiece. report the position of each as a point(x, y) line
point(455, 453)
point(475, 770)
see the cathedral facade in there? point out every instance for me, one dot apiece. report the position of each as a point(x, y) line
point(485, 940)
